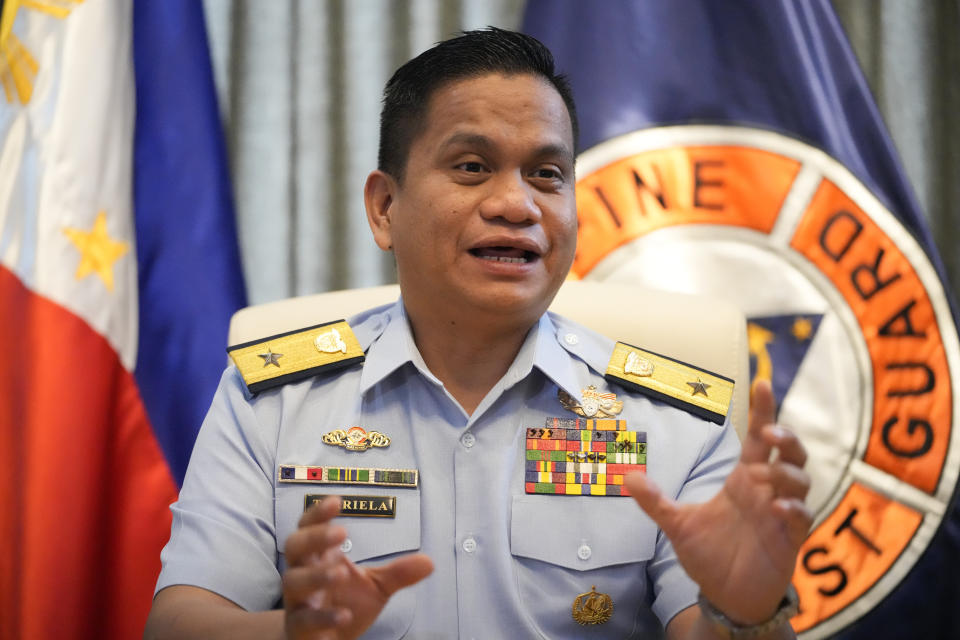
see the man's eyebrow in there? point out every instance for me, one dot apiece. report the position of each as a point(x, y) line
point(554, 150)
point(468, 140)
point(478, 140)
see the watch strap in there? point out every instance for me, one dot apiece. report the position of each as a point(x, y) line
point(728, 629)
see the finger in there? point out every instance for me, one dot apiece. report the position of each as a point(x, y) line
point(402, 572)
point(312, 540)
point(789, 447)
point(321, 512)
point(762, 410)
point(797, 517)
point(787, 480)
point(660, 509)
point(301, 583)
point(305, 621)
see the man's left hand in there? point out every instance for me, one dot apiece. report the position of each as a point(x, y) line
point(741, 546)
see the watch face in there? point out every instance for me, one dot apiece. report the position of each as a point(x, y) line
point(590, 407)
point(847, 319)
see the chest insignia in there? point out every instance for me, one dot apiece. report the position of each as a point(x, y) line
point(355, 439)
point(577, 457)
point(681, 385)
point(407, 478)
point(359, 506)
point(592, 607)
point(593, 404)
point(296, 355)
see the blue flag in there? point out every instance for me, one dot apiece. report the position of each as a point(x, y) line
point(188, 260)
point(735, 149)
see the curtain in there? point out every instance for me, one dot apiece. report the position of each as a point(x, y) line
point(299, 84)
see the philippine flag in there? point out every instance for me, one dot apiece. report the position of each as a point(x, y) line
point(118, 273)
point(733, 148)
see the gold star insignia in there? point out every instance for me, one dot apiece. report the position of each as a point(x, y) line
point(802, 328)
point(699, 387)
point(271, 358)
point(98, 251)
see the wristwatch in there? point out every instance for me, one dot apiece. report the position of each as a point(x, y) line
point(728, 629)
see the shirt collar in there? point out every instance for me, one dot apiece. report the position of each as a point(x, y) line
point(389, 343)
point(552, 358)
point(391, 348)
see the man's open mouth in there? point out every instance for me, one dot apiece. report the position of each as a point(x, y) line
point(504, 254)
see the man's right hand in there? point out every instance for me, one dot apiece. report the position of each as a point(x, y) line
point(325, 595)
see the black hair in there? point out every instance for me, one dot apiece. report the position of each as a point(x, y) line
point(473, 53)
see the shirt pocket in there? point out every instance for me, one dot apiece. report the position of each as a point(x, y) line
point(370, 541)
point(567, 546)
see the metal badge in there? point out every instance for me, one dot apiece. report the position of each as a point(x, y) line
point(270, 358)
point(699, 387)
point(592, 607)
point(355, 439)
point(330, 342)
point(593, 404)
point(638, 365)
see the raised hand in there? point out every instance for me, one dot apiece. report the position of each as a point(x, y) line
point(325, 595)
point(741, 546)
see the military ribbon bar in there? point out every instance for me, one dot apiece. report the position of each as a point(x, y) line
point(408, 478)
point(582, 457)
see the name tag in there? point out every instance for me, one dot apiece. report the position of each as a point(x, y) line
point(359, 506)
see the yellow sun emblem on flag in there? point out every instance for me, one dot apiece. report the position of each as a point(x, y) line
point(98, 251)
point(18, 67)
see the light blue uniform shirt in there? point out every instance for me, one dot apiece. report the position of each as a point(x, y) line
point(508, 564)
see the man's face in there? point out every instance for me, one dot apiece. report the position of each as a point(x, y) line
point(486, 216)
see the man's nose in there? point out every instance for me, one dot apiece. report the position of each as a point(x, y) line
point(511, 198)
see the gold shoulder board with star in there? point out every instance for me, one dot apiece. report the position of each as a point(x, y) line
point(682, 385)
point(296, 355)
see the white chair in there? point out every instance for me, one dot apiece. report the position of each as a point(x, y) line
point(701, 331)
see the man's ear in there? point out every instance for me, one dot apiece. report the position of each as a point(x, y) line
point(378, 196)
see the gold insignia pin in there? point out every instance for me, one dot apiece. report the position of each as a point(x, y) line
point(355, 439)
point(592, 607)
point(593, 405)
point(637, 365)
point(330, 342)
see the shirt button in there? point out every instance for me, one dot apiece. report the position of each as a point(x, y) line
point(468, 440)
point(584, 552)
point(469, 545)
point(346, 545)
point(571, 339)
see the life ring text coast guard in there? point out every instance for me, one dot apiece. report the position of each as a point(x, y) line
point(772, 222)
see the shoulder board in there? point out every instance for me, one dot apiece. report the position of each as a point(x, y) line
point(684, 386)
point(296, 355)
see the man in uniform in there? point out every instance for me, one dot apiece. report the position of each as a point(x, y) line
point(437, 421)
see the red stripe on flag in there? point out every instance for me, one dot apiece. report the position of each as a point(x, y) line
point(81, 553)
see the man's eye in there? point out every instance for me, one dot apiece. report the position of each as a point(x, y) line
point(470, 167)
point(548, 174)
